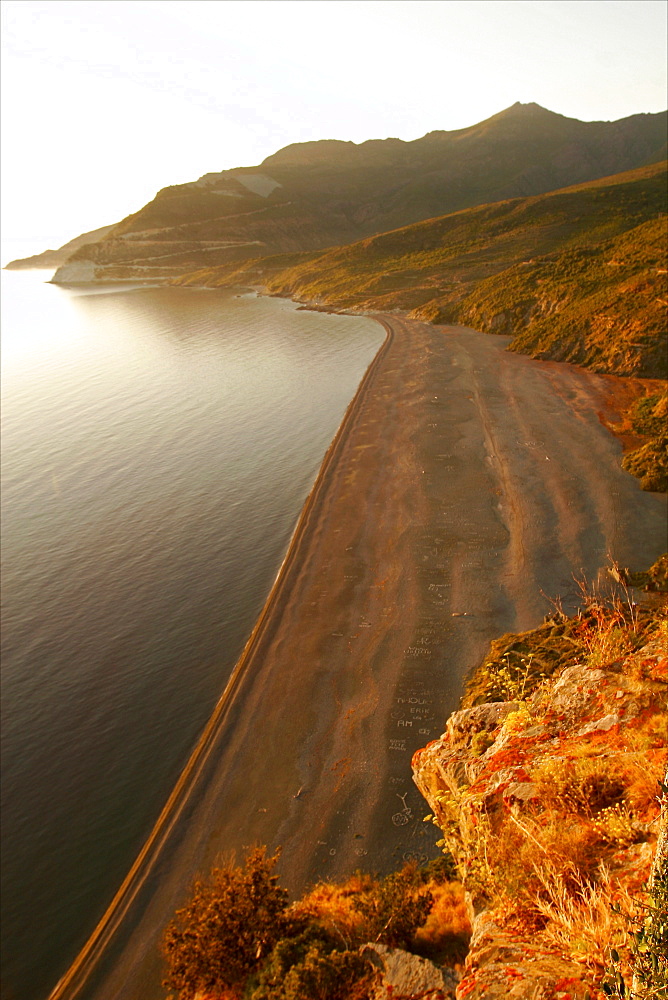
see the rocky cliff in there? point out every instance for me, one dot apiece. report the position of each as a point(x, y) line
point(545, 786)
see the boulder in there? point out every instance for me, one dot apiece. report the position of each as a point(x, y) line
point(481, 718)
point(403, 976)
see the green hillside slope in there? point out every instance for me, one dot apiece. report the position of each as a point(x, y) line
point(575, 275)
point(598, 306)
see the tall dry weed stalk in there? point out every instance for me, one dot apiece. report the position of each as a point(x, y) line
point(583, 916)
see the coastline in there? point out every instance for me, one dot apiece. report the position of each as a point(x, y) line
point(449, 527)
point(77, 974)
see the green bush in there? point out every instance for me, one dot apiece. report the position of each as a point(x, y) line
point(648, 415)
point(311, 966)
point(649, 464)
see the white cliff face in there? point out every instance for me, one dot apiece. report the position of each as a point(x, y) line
point(80, 272)
point(258, 183)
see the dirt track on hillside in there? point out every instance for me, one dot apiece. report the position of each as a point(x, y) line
point(466, 488)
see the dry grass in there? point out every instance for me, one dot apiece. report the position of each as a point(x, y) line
point(445, 936)
point(334, 907)
point(579, 915)
point(611, 633)
point(588, 809)
point(651, 733)
point(588, 784)
point(545, 877)
point(612, 626)
point(529, 843)
point(642, 773)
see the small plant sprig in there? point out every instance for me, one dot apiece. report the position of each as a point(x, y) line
point(648, 940)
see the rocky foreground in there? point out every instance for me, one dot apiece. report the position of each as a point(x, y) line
point(546, 786)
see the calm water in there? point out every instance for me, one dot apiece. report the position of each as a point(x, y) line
point(157, 447)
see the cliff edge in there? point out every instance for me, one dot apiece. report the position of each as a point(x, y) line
point(546, 786)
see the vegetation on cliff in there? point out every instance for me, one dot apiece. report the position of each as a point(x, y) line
point(239, 937)
point(649, 419)
point(547, 787)
point(598, 305)
point(574, 275)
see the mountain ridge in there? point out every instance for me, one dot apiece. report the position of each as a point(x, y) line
point(54, 258)
point(310, 196)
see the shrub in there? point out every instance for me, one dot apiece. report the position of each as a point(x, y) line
point(648, 414)
point(656, 577)
point(648, 462)
point(332, 907)
point(396, 907)
point(517, 664)
point(445, 936)
point(230, 925)
point(311, 966)
point(440, 871)
point(585, 786)
point(237, 937)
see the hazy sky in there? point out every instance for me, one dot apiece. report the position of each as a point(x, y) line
point(106, 101)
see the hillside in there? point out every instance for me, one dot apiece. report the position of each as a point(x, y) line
point(574, 275)
point(54, 258)
point(310, 196)
point(601, 306)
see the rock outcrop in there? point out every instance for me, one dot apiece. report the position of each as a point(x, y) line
point(548, 803)
point(404, 976)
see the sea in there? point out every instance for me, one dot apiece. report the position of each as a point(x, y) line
point(157, 447)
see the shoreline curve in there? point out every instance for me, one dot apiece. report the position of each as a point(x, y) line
point(76, 977)
point(464, 486)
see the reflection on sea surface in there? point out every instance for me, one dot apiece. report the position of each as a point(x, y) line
point(157, 447)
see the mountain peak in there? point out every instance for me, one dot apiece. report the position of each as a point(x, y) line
point(327, 193)
point(528, 110)
point(530, 105)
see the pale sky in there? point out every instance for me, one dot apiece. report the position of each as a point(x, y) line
point(106, 101)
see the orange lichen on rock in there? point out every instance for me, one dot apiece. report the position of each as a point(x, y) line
point(548, 803)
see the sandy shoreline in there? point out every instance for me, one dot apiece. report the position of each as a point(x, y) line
point(83, 967)
point(463, 485)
